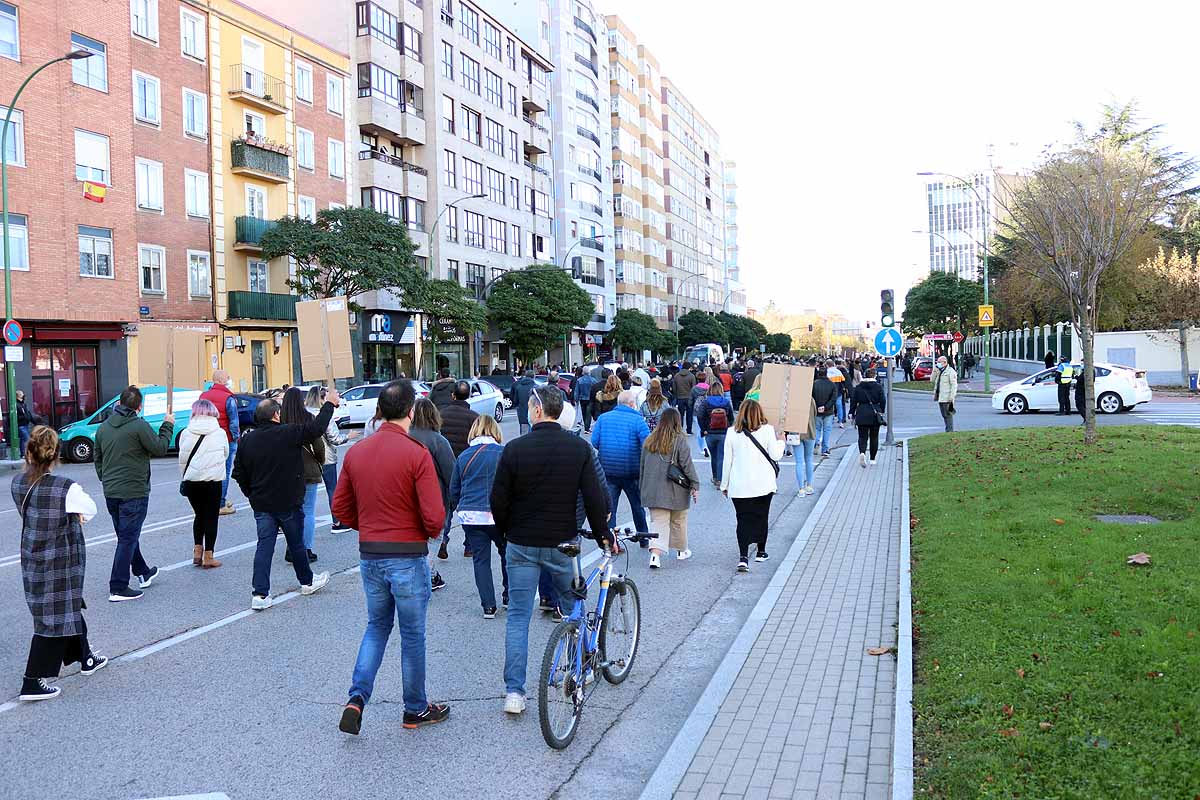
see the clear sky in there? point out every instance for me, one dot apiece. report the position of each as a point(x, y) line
point(830, 109)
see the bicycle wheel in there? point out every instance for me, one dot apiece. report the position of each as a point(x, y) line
point(621, 630)
point(560, 690)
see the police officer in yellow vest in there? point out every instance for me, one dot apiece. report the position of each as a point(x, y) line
point(1066, 375)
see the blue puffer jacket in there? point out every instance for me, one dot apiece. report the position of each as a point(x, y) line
point(618, 436)
point(471, 489)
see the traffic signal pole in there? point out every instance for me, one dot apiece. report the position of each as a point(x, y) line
point(887, 319)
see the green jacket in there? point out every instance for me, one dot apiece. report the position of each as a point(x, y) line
point(124, 446)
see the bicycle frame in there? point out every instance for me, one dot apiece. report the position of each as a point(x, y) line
point(589, 637)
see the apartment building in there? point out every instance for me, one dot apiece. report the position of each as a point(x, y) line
point(960, 214)
point(736, 301)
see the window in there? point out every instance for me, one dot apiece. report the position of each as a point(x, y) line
point(305, 150)
point(191, 34)
point(337, 159)
point(150, 265)
point(514, 148)
point(333, 94)
point(149, 185)
point(10, 33)
point(412, 42)
point(256, 201)
point(375, 81)
point(491, 40)
point(497, 236)
point(258, 276)
point(447, 61)
point(195, 190)
point(447, 113)
point(306, 208)
point(450, 169)
point(255, 124)
point(448, 12)
point(472, 177)
point(495, 137)
point(470, 125)
point(512, 99)
point(414, 213)
point(470, 73)
point(474, 225)
point(304, 82)
point(199, 274)
point(514, 240)
point(146, 99)
point(468, 21)
point(496, 186)
point(95, 252)
point(514, 193)
point(452, 270)
point(14, 147)
point(373, 20)
point(451, 223)
point(18, 241)
point(91, 72)
point(91, 157)
point(195, 114)
point(510, 49)
point(493, 88)
point(144, 15)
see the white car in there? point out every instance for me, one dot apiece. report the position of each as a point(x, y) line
point(487, 399)
point(358, 404)
point(1118, 388)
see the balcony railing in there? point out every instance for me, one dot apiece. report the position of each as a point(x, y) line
point(592, 244)
point(583, 26)
point(588, 63)
point(585, 133)
point(587, 98)
point(262, 305)
point(533, 124)
point(248, 232)
point(270, 164)
point(257, 87)
point(536, 168)
point(395, 161)
point(591, 172)
point(592, 207)
point(592, 280)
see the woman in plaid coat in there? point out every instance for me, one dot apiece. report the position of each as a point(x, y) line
point(53, 510)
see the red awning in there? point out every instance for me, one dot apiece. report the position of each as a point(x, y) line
point(66, 333)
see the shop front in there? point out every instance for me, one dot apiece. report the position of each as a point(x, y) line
point(450, 343)
point(389, 343)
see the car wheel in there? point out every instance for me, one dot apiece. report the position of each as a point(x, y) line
point(1109, 403)
point(1016, 404)
point(81, 450)
point(499, 412)
point(507, 402)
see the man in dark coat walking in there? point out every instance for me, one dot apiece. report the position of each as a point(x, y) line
point(458, 417)
point(522, 390)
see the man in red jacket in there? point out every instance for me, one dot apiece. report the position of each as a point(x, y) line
point(389, 493)
point(221, 396)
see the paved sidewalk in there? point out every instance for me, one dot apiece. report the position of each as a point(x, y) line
point(810, 714)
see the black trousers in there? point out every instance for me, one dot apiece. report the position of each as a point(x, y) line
point(49, 654)
point(1064, 398)
point(868, 434)
point(205, 497)
point(753, 517)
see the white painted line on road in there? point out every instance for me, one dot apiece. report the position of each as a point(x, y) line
point(902, 734)
point(9, 706)
point(208, 796)
point(237, 548)
point(194, 632)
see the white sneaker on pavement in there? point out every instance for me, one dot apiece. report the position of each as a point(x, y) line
point(873, 461)
point(318, 582)
point(655, 561)
point(261, 603)
point(514, 703)
point(862, 460)
point(683, 555)
point(809, 489)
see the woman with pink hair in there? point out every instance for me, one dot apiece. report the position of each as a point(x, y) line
point(203, 448)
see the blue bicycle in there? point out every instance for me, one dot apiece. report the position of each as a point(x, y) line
point(604, 641)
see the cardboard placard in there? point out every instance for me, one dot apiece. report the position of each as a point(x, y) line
point(171, 358)
point(786, 395)
point(324, 330)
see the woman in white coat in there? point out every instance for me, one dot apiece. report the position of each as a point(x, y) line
point(203, 448)
point(750, 478)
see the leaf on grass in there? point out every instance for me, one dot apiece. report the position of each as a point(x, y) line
point(1006, 710)
point(1058, 521)
point(1009, 732)
point(878, 651)
point(1153, 674)
point(1020, 672)
point(1116, 633)
point(1045, 725)
point(1036, 657)
point(1138, 558)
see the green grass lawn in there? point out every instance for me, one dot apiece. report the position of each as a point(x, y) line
point(1046, 667)
point(927, 386)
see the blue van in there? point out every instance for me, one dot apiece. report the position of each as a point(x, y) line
point(79, 438)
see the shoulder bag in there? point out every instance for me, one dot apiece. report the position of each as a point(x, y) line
point(761, 449)
point(187, 466)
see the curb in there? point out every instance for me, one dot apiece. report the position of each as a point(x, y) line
point(902, 735)
point(677, 759)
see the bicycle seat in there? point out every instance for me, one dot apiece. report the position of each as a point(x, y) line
point(569, 549)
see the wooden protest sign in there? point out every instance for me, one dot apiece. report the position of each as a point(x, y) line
point(785, 395)
point(324, 330)
point(171, 358)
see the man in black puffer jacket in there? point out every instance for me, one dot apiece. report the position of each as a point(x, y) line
point(457, 418)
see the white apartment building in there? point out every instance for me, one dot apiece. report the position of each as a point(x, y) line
point(735, 302)
point(958, 221)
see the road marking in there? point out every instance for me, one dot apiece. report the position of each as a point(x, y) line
point(320, 523)
point(208, 796)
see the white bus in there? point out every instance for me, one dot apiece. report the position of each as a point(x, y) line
point(704, 354)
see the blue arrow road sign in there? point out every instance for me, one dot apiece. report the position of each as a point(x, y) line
point(888, 342)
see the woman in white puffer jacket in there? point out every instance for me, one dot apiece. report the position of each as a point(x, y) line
point(203, 449)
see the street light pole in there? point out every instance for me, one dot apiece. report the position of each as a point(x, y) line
point(75, 55)
point(433, 268)
point(679, 286)
point(954, 252)
point(567, 265)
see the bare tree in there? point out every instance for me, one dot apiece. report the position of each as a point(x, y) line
point(1082, 210)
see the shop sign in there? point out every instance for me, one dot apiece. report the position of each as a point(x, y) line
point(383, 327)
point(379, 328)
point(447, 331)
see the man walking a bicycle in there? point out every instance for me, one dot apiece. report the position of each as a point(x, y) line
point(533, 499)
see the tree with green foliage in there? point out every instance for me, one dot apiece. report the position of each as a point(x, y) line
point(666, 344)
point(742, 333)
point(444, 300)
point(942, 302)
point(698, 327)
point(536, 307)
point(780, 343)
point(347, 251)
point(634, 331)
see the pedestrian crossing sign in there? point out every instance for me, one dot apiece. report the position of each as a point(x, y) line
point(987, 316)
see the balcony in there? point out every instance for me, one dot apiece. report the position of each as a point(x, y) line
point(403, 123)
point(256, 158)
point(587, 98)
point(264, 92)
point(591, 173)
point(592, 280)
point(534, 98)
point(585, 133)
point(592, 244)
point(537, 142)
point(248, 233)
point(589, 64)
point(583, 26)
point(262, 305)
point(536, 168)
point(376, 168)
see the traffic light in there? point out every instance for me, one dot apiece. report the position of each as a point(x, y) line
point(810, 328)
point(887, 308)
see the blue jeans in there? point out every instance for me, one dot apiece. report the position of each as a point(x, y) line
point(840, 405)
point(269, 523)
point(23, 437)
point(629, 485)
point(329, 474)
point(394, 587)
point(127, 517)
point(825, 432)
point(480, 539)
point(805, 464)
point(228, 468)
point(716, 451)
point(685, 411)
point(310, 514)
point(524, 566)
point(700, 439)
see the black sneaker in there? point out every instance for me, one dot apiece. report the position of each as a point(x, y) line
point(438, 582)
point(92, 664)
point(312, 557)
point(557, 615)
point(546, 606)
point(489, 613)
point(504, 600)
point(144, 581)
point(287, 555)
point(762, 556)
point(340, 528)
point(433, 714)
point(352, 716)
point(121, 595)
point(38, 689)
point(743, 565)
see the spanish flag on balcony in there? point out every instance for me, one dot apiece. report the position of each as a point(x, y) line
point(94, 191)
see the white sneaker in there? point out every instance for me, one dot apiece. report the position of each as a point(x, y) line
point(318, 583)
point(862, 460)
point(809, 490)
point(514, 703)
point(261, 603)
point(655, 561)
point(873, 461)
point(683, 555)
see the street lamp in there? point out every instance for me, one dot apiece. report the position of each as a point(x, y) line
point(433, 269)
point(74, 55)
point(987, 351)
point(568, 265)
point(679, 286)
